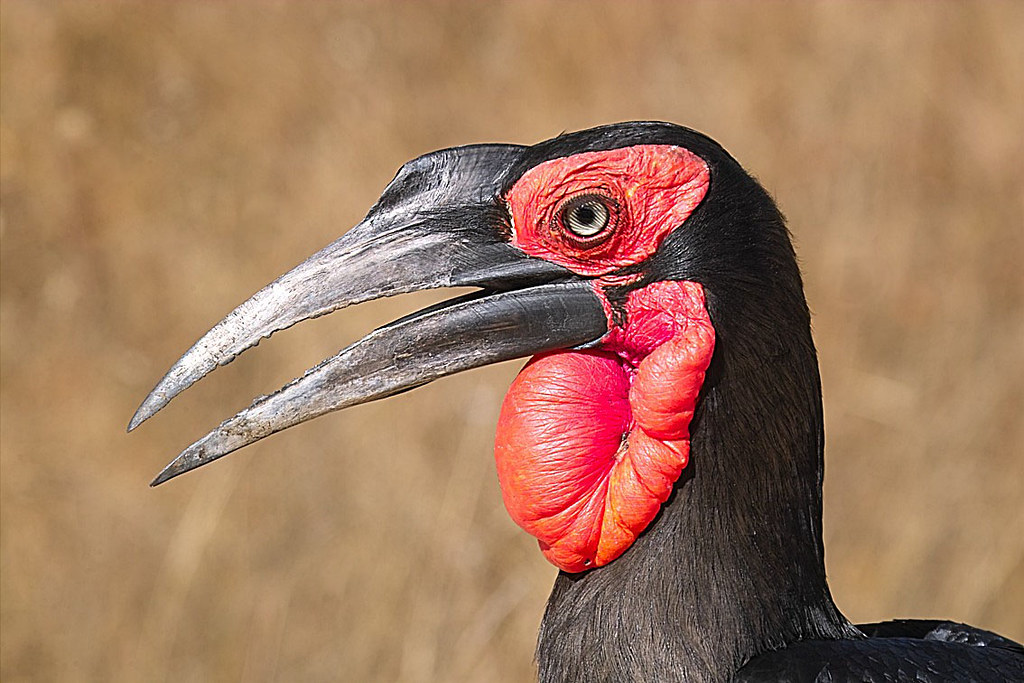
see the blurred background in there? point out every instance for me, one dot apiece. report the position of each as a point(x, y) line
point(162, 161)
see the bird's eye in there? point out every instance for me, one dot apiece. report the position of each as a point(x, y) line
point(586, 217)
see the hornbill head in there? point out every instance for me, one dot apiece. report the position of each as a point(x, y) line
point(613, 256)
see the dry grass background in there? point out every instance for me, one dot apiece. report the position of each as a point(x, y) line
point(160, 162)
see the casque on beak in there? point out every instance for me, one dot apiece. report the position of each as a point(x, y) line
point(439, 223)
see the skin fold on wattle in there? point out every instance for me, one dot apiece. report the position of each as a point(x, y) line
point(590, 443)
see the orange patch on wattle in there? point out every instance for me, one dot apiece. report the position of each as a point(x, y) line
point(590, 443)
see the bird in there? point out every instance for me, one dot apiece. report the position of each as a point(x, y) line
point(664, 443)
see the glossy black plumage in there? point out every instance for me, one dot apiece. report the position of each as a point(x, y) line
point(904, 651)
point(728, 582)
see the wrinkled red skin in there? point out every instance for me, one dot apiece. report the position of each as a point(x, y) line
point(653, 188)
point(590, 443)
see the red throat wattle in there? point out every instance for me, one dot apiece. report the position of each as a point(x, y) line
point(590, 443)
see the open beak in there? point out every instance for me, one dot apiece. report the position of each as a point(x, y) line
point(439, 223)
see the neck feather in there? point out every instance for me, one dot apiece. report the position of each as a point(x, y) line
point(734, 565)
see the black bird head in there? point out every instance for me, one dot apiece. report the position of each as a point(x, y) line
point(616, 256)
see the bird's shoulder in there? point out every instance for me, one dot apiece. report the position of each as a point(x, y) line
point(917, 651)
point(940, 630)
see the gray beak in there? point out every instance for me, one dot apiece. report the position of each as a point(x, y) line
point(439, 223)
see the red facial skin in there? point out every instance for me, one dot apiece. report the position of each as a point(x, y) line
point(590, 443)
point(653, 189)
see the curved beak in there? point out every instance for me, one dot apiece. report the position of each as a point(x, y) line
point(439, 223)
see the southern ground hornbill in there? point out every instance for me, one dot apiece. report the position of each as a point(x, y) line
point(664, 444)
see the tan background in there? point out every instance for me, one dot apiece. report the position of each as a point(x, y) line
point(160, 162)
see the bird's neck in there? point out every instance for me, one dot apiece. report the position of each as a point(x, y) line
point(733, 566)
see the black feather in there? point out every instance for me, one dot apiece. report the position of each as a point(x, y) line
point(731, 573)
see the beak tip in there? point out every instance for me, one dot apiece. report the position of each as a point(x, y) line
point(167, 473)
point(211, 447)
point(136, 420)
point(151, 406)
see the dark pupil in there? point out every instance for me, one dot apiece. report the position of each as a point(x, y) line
point(586, 214)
